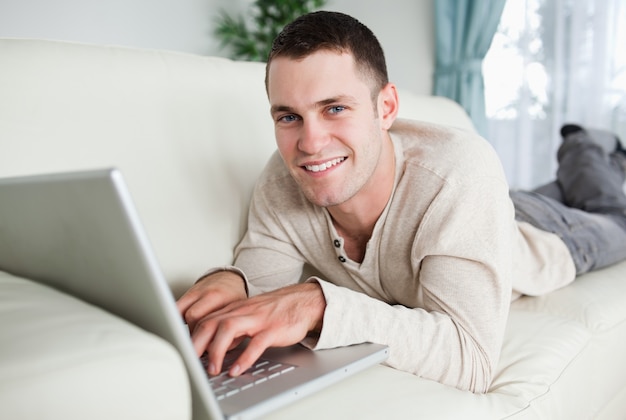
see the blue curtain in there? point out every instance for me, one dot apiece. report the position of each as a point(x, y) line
point(464, 30)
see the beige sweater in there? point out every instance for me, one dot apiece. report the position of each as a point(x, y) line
point(436, 281)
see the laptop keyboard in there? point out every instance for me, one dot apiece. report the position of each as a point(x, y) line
point(262, 371)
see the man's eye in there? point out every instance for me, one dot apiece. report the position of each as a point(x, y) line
point(336, 109)
point(288, 118)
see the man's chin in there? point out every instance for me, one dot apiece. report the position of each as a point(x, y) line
point(324, 200)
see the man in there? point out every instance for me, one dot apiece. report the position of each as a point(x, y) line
point(364, 228)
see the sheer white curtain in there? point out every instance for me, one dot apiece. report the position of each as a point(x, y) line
point(553, 62)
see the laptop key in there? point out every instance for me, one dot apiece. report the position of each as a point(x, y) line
point(262, 371)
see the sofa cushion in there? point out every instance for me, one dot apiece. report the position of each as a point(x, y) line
point(595, 299)
point(62, 358)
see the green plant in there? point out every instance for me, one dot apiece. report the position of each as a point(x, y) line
point(268, 17)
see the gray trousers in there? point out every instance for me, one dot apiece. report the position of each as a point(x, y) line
point(585, 206)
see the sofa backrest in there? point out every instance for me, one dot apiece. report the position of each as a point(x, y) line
point(189, 133)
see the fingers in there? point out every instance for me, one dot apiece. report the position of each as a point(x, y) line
point(278, 318)
point(209, 295)
point(218, 336)
point(251, 354)
point(226, 338)
point(224, 330)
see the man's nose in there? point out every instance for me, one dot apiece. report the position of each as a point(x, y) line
point(313, 137)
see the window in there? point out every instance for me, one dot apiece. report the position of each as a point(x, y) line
point(553, 62)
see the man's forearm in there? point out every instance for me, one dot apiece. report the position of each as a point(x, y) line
point(428, 344)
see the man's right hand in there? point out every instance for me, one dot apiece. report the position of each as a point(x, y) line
point(210, 294)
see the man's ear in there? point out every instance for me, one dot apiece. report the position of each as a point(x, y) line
point(388, 104)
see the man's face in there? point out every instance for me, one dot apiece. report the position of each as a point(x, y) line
point(327, 128)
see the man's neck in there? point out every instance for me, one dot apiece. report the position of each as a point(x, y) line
point(355, 219)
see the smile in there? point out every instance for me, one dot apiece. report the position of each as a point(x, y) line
point(324, 166)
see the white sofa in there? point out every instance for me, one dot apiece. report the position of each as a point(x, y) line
point(190, 135)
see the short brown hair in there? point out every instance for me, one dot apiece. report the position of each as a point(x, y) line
point(332, 31)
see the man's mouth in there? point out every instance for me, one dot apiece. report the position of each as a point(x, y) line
point(324, 166)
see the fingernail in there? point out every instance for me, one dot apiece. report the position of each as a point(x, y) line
point(234, 371)
point(212, 369)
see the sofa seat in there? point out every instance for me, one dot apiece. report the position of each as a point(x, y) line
point(62, 358)
point(594, 381)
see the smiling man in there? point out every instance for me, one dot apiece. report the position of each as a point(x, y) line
point(364, 228)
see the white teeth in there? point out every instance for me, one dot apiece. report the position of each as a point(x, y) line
point(324, 166)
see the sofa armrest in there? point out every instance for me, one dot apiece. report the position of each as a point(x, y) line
point(62, 358)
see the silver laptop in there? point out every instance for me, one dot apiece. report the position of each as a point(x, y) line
point(79, 232)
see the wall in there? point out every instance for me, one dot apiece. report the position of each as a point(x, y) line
point(405, 29)
point(406, 32)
